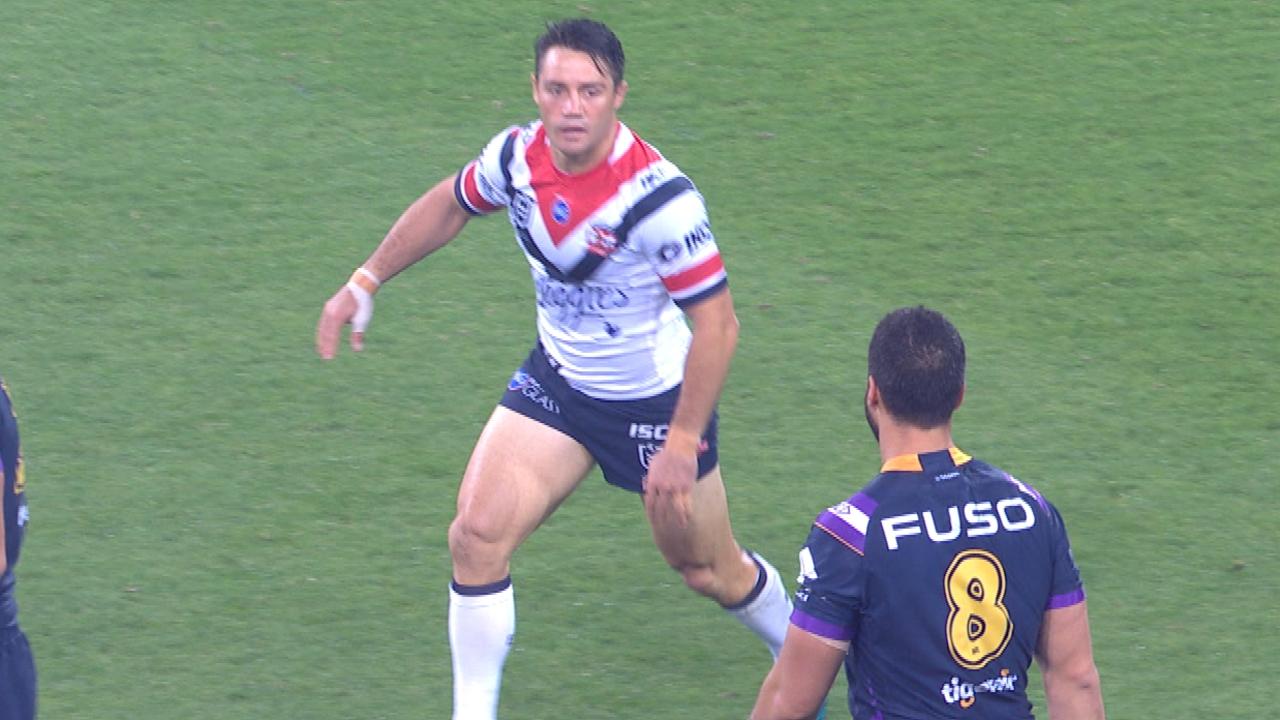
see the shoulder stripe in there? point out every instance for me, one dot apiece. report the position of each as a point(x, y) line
point(1075, 597)
point(854, 541)
point(468, 194)
point(848, 521)
point(698, 297)
point(694, 275)
point(1028, 490)
point(821, 628)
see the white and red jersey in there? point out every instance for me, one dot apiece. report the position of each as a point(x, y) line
point(614, 252)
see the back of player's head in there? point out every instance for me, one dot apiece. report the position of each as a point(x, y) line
point(586, 36)
point(917, 360)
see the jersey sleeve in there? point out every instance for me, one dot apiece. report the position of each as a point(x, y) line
point(678, 242)
point(481, 187)
point(1067, 589)
point(829, 595)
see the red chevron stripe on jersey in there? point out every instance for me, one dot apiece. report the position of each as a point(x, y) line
point(582, 194)
point(615, 253)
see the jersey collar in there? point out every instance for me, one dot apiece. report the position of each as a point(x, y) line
point(912, 463)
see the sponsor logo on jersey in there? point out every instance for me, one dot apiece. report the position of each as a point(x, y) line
point(571, 303)
point(670, 251)
point(966, 694)
point(650, 179)
point(699, 236)
point(601, 240)
point(560, 210)
point(979, 519)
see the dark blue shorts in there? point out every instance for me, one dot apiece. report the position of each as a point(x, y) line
point(621, 435)
point(17, 676)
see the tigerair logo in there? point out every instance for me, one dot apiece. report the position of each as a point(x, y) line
point(966, 694)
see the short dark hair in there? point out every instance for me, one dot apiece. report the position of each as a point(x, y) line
point(917, 360)
point(587, 36)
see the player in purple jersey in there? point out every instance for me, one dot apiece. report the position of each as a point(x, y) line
point(938, 582)
point(621, 254)
point(17, 668)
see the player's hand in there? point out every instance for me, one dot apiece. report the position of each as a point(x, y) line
point(668, 488)
point(352, 305)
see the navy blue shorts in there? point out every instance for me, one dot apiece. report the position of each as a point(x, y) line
point(621, 435)
point(17, 676)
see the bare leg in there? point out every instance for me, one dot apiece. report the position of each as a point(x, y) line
point(519, 473)
point(709, 559)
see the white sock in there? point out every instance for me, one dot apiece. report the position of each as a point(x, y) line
point(768, 613)
point(482, 622)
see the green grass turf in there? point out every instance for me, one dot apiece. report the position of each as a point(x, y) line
point(224, 527)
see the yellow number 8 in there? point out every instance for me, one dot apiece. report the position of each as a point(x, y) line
point(978, 628)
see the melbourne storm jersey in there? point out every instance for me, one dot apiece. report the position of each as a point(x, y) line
point(938, 573)
point(614, 252)
point(12, 503)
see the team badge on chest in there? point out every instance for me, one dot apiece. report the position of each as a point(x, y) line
point(601, 240)
point(560, 210)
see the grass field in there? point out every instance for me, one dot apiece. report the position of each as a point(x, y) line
point(225, 527)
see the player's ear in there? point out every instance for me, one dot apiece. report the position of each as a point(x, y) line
point(960, 397)
point(873, 393)
point(533, 86)
point(619, 94)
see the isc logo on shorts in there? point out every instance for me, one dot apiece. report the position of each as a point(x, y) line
point(645, 431)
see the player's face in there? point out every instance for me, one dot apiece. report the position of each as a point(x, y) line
point(579, 108)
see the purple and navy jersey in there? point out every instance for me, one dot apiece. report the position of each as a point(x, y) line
point(13, 505)
point(614, 252)
point(938, 573)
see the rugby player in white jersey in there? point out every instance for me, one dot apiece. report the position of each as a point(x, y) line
point(621, 254)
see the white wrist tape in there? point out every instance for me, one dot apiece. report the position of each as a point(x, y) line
point(363, 284)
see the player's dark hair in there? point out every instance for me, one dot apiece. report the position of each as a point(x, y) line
point(917, 360)
point(586, 36)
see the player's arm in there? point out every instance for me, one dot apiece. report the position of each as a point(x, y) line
point(427, 225)
point(4, 492)
point(4, 557)
point(1064, 652)
point(715, 337)
point(674, 469)
point(799, 682)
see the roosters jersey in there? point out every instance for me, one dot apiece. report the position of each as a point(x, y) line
point(938, 573)
point(615, 252)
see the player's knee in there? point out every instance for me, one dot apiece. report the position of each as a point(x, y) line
point(474, 538)
point(701, 579)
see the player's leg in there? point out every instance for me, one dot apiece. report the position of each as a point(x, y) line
point(17, 676)
point(520, 471)
point(712, 563)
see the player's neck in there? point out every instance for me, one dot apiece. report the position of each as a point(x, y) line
point(897, 439)
point(589, 160)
